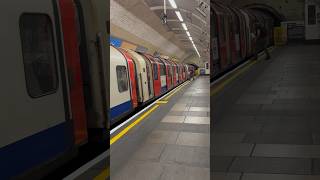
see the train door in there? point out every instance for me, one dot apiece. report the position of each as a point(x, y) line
point(169, 74)
point(149, 76)
point(156, 78)
point(236, 36)
point(94, 65)
point(222, 40)
point(36, 119)
point(177, 74)
point(142, 76)
point(156, 75)
point(312, 20)
point(228, 36)
point(163, 77)
point(187, 71)
point(215, 64)
point(172, 74)
point(248, 33)
point(232, 35)
point(243, 39)
point(69, 24)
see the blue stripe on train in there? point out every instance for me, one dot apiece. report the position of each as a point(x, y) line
point(34, 150)
point(120, 109)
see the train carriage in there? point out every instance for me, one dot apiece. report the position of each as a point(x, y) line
point(120, 96)
point(168, 73)
point(221, 22)
point(144, 93)
point(47, 44)
point(234, 36)
point(132, 77)
point(156, 74)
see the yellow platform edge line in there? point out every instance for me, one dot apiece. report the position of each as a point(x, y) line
point(221, 86)
point(175, 91)
point(144, 115)
point(162, 102)
point(103, 175)
point(125, 130)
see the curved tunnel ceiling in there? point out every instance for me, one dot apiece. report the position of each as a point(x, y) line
point(198, 23)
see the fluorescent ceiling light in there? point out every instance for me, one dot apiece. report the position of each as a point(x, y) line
point(173, 4)
point(188, 33)
point(179, 15)
point(184, 26)
point(190, 38)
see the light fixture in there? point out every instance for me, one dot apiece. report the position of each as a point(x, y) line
point(184, 26)
point(179, 16)
point(173, 4)
point(188, 33)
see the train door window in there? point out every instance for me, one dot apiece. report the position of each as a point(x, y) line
point(162, 70)
point(311, 14)
point(223, 29)
point(122, 78)
point(39, 59)
point(155, 71)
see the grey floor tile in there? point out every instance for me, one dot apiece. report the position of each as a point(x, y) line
point(193, 139)
point(187, 155)
point(286, 127)
point(271, 165)
point(227, 137)
point(222, 163)
point(162, 137)
point(196, 128)
point(278, 138)
point(290, 151)
point(176, 113)
point(238, 127)
point(206, 109)
point(173, 119)
point(278, 177)
point(179, 108)
point(169, 126)
point(179, 172)
point(197, 113)
point(135, 170)
point(226, 176)
point(197, 120)
point(149, 151)
point(232, 149)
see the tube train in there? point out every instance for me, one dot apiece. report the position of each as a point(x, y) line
point(54, 55)
point(235, 36)
point(138, 78)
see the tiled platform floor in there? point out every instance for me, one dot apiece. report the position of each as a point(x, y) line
point(172, 143)
point(267, 123)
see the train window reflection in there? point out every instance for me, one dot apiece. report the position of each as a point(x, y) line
point(122, 78)
point(38, 54)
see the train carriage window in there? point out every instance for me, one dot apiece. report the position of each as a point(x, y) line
point(162, 70)
point(155, 71)
point(38, 51)
point(122, 78)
